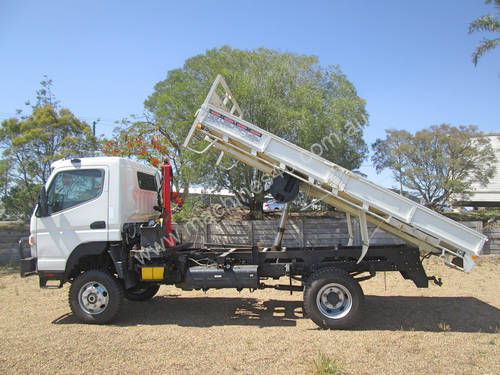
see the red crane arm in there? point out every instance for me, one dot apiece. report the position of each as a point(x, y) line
point(166, 169)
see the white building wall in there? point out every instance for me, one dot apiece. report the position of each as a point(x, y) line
point(491, 192)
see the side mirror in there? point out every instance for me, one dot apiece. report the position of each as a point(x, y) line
point(43, 209)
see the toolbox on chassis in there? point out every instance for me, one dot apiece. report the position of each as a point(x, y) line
point(104, 225)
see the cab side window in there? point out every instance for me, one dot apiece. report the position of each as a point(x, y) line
point(71, 188)
point(146, 181)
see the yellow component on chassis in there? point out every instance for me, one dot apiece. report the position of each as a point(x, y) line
point(152, 273)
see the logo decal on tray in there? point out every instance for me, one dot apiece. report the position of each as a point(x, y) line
point(238, 124)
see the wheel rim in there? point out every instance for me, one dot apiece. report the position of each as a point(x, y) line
point(93, 298)
point(334, 301)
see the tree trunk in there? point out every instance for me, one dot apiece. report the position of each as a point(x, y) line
point(255, 205)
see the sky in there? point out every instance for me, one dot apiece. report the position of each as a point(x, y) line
point(410, 61)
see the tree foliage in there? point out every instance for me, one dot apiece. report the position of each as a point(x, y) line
point(398, 143)
point(32, 142)
point(438, 163)
point(141, 140)
point(490, 23)
point(287, 94)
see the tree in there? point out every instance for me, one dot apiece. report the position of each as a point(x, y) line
point(489, 22)
point(5, 177)
point(438, 163)
point(141, 140)
point(33, 142)
point(20, 200)
point(287, 94)
point(397, 142)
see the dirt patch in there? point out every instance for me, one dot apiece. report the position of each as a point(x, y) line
point(404, 330)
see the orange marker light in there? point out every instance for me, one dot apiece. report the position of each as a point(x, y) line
point(198, 126)
point(474, 257)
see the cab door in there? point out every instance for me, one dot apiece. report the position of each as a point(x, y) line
point(77, 213)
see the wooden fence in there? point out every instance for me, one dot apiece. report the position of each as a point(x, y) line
point(299, 232)
point(304, 232)
point(9, 236)
point(493, 245)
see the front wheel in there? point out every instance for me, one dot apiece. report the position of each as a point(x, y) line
point(95, 297)
point(332, 298)
point(141, 293)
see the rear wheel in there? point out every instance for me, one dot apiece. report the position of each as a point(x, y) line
point(141, 292)
point(332, 298)
point(95, 297)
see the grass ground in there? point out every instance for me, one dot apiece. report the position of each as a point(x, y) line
point(404, 330)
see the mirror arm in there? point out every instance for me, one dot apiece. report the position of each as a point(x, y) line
point(42, 203)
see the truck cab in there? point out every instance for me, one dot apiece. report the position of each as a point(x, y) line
point(89, 203)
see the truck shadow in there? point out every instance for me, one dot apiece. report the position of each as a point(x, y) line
point(204, 312)
point(431, 314)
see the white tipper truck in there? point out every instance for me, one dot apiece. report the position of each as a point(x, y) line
point(104, 225)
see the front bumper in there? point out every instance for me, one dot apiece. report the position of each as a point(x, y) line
point(27, 263)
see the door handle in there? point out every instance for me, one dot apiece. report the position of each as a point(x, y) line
point(98, 225)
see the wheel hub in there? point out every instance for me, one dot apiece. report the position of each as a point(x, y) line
point(333, 298)
point(334, 301)
point(93, 297)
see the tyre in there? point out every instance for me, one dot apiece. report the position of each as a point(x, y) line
point(141, 292)
point(332, 298)
point(95, 297)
